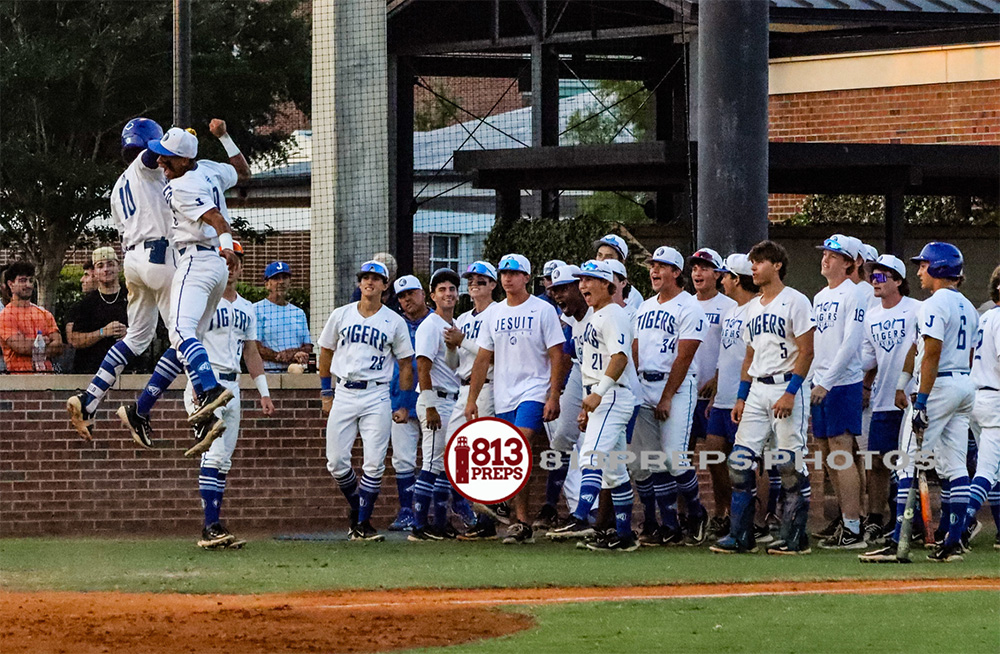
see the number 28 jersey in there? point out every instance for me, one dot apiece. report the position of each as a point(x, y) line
point(364, 349)
point(771, 331)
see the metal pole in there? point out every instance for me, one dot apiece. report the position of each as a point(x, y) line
point(182, 63)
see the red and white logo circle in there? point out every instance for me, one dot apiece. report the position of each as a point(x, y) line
point(488, 460)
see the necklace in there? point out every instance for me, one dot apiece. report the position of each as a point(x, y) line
point(99, 292)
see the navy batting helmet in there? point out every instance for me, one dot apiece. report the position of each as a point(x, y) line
point(140, 131)
point(943, 260)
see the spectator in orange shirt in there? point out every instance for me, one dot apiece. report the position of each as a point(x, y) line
point(22, 320)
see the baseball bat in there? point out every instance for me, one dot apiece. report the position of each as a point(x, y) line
point(925, 494)
point(906, 531)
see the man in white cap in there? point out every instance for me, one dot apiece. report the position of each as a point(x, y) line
point(612, 246)
point(547, 269)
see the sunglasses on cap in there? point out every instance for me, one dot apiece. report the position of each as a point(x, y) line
point(831, 244)
point(590, 266)
point(376, 268)
point(478, 269)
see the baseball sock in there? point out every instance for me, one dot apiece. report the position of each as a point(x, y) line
point(773, 491)
point(461, 507)
point(902, 490)
point(423, 491)
point(590, 488)
point(978, 493)
point(971, 454)
point(665, 492)
point(622, 498)
point(958, 502)
point(196, 359)
point(404, 487)
point(349, 487)
point(687, 484)
point(114, 361)
point(441, 495)
point(367, 494)
point(994, 499)
point(166, 371)
point(647, 496)
point(945, 505)
point(555, 480)
point(211, 486)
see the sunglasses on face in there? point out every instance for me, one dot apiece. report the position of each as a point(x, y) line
point(880, 278)
point(479, 282)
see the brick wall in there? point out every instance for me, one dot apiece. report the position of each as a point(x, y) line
point(474, 94)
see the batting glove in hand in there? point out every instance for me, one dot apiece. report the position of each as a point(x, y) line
point(919, 419)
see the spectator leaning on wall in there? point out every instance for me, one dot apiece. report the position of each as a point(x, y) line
point(281, 326)
point(22, 321)
point(100, 319)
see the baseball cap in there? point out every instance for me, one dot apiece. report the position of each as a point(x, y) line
point(104, 254)
point(617, 267)
point(550, 266)
point(615, 241)
point(846, 245)
point(668, 255)
point(515, 262)
point(484, 268)
point(176, 143)
point(738, 264)
point(406, 283)
point(373, 266)
point(707, 255)
point(892, 263)
point(598, 269)
point(277, 268)
point(565, 274)
point(869, 252)
point(238, 248)
point(445, 275)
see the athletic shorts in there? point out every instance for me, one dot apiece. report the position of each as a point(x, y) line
point(527, 415)
point(699, 423)
point(883, 435)
point(720, 423)
point(839, 412)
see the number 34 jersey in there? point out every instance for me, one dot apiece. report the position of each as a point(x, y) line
point(364, 349)
point(658, 327)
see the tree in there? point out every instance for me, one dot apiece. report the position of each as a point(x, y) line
point(917, 210)
point(75, 72)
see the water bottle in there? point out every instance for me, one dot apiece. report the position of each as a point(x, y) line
point(38, 353)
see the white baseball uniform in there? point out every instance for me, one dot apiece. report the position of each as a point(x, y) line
point(986, 409)
point(364, 350)
point(869, 301)
point(771, 330)
point(840, 315)
point(564, 434)
point(445, 383)
point(888, 336)
point(606, 333)
point(732, 352)
point(470, 323)
point(658, 328)
point(632, 302)
point(706, 360)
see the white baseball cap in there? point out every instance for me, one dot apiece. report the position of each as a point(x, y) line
point(484, 268)
point(738, 264)
point(373, 266)
point(550, 266)
point(869, 252)
point(515, 262)
point(617, 267)
point(892, 263)
point(598, 269)
point(707, 255)
point(615, 241)
point(668, 255)
point(565, 274)
point(176, 143)
point(847, 245)
point(406, 283)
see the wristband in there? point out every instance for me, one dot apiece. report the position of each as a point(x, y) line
point(469, 345)
point(795, 384)
point(260, 382)
point(744, 391)
point(326, 386)
point(603, 386)
point(100, 332)
point(429, 398)
point(921, 401)
point(226, 241)
point(903, 381)
point(229, 145)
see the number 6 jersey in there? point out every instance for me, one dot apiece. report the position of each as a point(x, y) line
point(364, 349)
point(950, 318)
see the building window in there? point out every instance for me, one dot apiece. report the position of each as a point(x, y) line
point(444, 252)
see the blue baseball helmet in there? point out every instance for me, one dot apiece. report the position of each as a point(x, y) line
point(140, 131)
point(943, 260)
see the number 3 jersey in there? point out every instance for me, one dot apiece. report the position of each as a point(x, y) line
point(137, 205)
point(364, 349)
point(194, 194)
point(771, 331)
point(840, 321)
point(950, 318)
point(232, 325)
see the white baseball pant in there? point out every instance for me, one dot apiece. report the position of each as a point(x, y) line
point(949, 407)
point(669, 436)
point(364, 411)
point(404, 437)
point(220, 454)
point(197, 287)
point(606, 434)
point(433, 441)
point(985, 425)
point(484, 403)
point(149, 285)
point(758, 424)
point(564, 433)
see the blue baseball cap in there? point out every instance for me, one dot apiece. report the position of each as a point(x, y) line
point(598, 269)
point(277, 268)
point(484, 268)
point(515, 263)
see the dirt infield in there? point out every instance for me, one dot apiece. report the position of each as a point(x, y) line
point(361, 621)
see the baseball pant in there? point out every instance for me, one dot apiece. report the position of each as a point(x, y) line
point(564, 433)
point(986, 427)
point(404, 438)
point(484, 403)
point(949, 408)
point(364, 411)
point(220, 453)
point(866, 426)
point(758, 424)
point(605, 434)
point(669, 436)
point(197, 287)
point(433, 441)
point(571, 486)
point(149, 286)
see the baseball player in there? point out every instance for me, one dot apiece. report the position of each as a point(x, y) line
point(358, 346)
point(144, 222)
point(706, 275)
point(230, 337)
point(836, 380)
point(770, 403)
point(946, 324)
point(439, 386)
point(405, 430)
point(547, 269)
point(985, 416)
point(612, 246)
point(195, 191)
point(523, 339)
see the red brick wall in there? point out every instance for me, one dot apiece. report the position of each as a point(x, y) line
point(966, 112)
point(477, 95)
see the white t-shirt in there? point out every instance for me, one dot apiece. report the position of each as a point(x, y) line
point(840, 319)
point(658, 327)
point(193, 194)
point(138, 207)
point(365, 349)
point(986, 362)
point(950, 318)
point(429, 343)
point(232, 324)
point(632, 302)
point(732, 352)
point(471, 324)
point(771, 331)
point(706, 359)
point(519, 338)
point(889, 335)
point(602, 335)
point(867, 292)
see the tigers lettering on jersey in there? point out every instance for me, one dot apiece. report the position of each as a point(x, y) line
point(766, 323)
point(471, 329)
point(239, 319)
point(657, 319)
point(363, 334)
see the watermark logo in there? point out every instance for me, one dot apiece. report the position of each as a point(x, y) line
point(488, 460)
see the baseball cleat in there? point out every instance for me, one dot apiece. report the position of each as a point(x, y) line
point(670, 536)
point(365, 531)
point(972, 529)
point(729, 545)
point(885, 554)
point(872, 528)
point(428, 533)
point(844, 539)
point(448, 532)
point(945, 553)
point(781, 548)
point(215, 536)
point(142, 433)
point(483, 530)
point(404, 520)
point(82, 421)
point(499, 512)
point(205, 433)
point(762, 534)
point(650, 535)
point(830, 530)
point(518, 533)
point(208, 403)
point(614, 543)
point(599, 534)
point(718, 526)
point(546, 518)
point(572, 528)
point(697, 530)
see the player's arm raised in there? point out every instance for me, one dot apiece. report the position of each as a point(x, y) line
point(745, 381)
point(255, 366)
point(804, 342)
point(236, 159)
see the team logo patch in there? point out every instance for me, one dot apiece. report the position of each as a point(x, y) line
point(488, 460)
point(889, 333)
